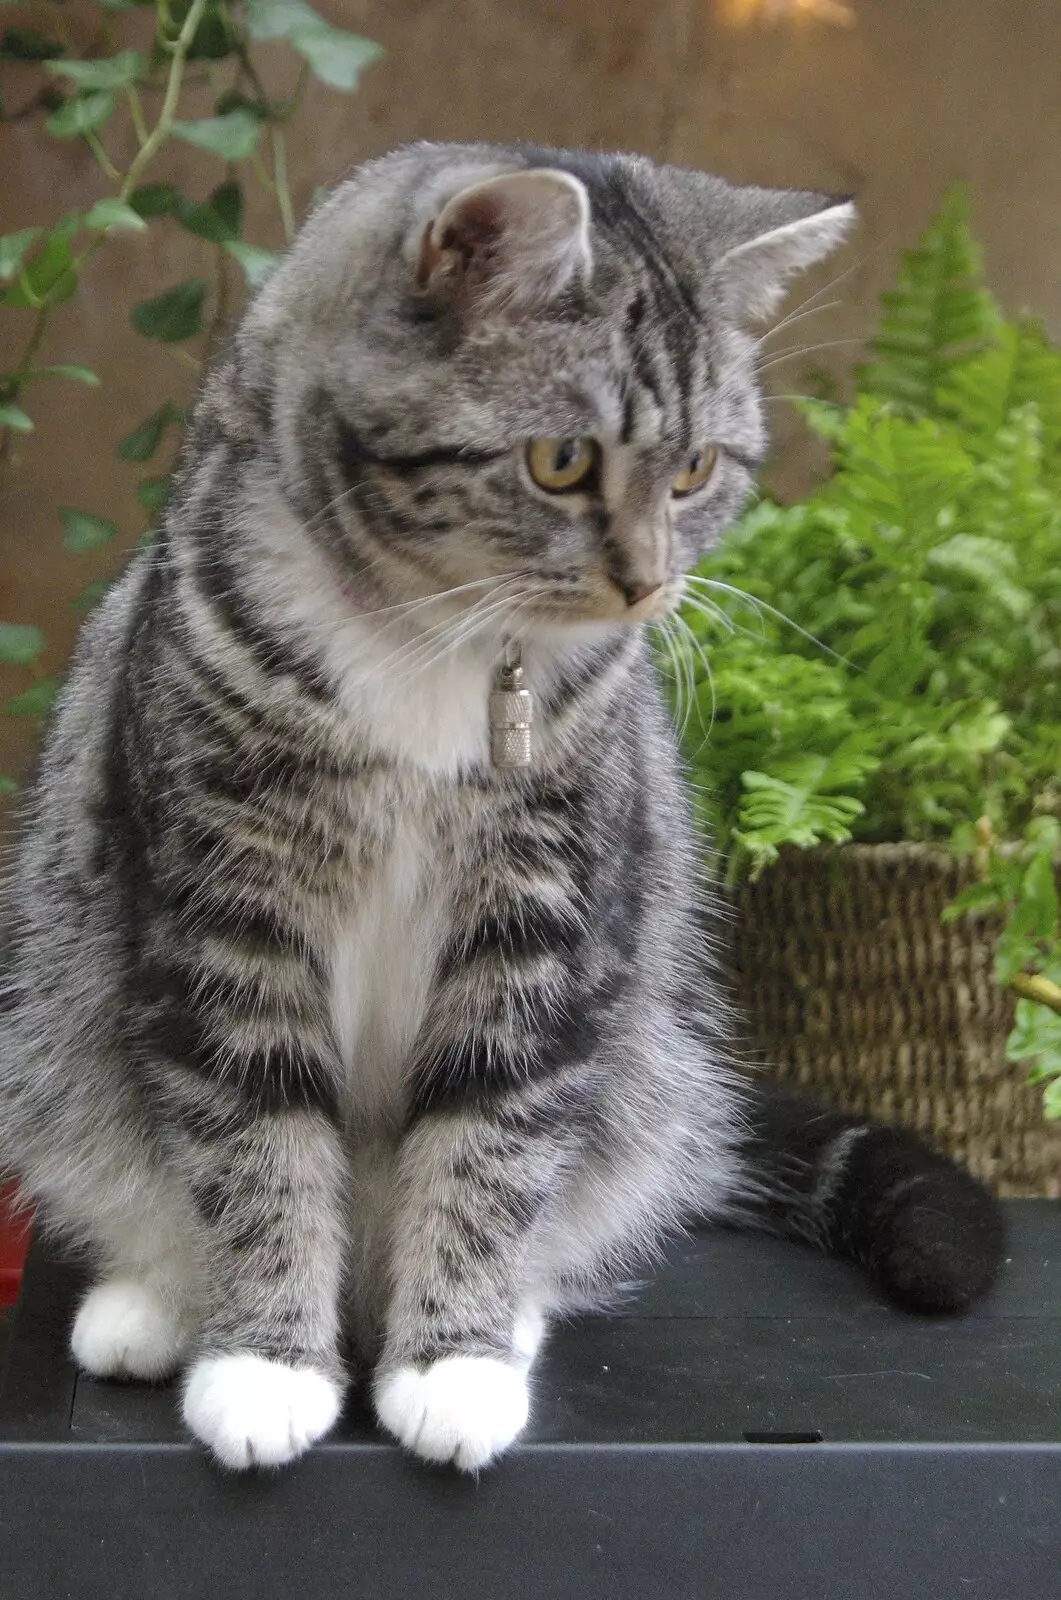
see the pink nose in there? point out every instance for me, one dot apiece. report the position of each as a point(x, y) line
point(636, 592)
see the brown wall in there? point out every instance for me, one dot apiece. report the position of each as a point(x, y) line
point(914, 95)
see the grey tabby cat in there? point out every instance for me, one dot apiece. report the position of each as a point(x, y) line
point(336, 1045)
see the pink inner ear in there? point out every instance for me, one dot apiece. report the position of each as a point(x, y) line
point(509, 242)
point(476, 227)
point(470, 237)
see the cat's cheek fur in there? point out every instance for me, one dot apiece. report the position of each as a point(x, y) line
point(461, 1409)
point(126, 1329)
point(257, 1413)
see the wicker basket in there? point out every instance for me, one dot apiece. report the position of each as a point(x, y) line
point(857, 993)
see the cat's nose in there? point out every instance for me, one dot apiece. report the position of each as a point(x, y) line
point(636, 592)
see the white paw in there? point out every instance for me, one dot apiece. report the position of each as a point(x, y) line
point(125, 1329)
point(258, 1413)
point(465, 1409)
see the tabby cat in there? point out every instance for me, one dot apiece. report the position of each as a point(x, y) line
point(338, 1045)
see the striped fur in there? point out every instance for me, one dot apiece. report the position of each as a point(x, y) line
point(335, 1047)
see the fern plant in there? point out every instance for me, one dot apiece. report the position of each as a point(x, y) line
point(916, 692)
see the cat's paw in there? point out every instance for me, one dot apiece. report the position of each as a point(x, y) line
point(257, 1413)
point(464, 1409)
point(125, 1329)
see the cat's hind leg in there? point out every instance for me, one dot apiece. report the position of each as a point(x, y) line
point(139, 1320)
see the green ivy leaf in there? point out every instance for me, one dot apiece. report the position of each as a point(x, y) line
point(13, 247)
point(1013, 953)
point(37, 700)
point(51, 275)
point(114, 214)
point(218, 219)
point(1039, 898)
point(153, 493)
point(155, 199)
point(65, 369)
point(280, 19)
point(1052, 1096)
point(977, 897)
point(23, 44)
point(173, 316)
point(19, 643)
point(257, 264)
point(85, 531)
point(336, 58)
point(12, 416)
point(233, 137)
point(1037, 1032)
point(110, 72)
point(79, 115)
point(142, 442)
point(90, 595)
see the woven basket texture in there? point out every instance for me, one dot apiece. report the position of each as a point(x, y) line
point(856, 992)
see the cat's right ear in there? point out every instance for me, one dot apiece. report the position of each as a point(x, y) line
point(508, 245)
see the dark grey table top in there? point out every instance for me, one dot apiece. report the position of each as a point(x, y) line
point(736, 1339)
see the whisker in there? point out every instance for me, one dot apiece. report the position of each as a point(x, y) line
point(702, 654)
point(457, 632)
point(798, 316)
point(804, 350)
point(764, 605)
point(825, 289)
point(667, 635)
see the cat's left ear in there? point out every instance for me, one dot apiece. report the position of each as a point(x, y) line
point(755, 275)
point(508, 244)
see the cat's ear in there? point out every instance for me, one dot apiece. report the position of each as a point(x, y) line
point(510, 243)
point(755, 274)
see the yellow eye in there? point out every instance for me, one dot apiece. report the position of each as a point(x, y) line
point(562, 465)
point(695, 473)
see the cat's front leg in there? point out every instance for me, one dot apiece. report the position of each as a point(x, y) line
point(268, 1381)
point(464, 1322)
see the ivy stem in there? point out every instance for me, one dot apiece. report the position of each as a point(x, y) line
point(261, 172)
point(160, 132)
point(137, 114)
point(283, 193)
point(18, 377)
point(103, 160)
point(1031, 986)
point(221, 304)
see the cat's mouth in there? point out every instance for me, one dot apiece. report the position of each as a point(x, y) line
point(610, 602)
point(520, 600)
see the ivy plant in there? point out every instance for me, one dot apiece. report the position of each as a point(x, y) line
point(130, 83)
point(916, 691)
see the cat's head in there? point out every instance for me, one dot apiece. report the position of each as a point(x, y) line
point(527, 372)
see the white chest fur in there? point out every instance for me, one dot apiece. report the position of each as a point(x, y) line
point(383, 961)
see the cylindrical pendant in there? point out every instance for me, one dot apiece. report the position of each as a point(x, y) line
point(511, 713)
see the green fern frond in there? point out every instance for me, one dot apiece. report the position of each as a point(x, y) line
point(937, 315)
point(899, 473)
point(983, 563)
point(980, 395)
point(1008, 499)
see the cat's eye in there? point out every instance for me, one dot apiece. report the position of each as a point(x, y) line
point(695, 473)
point(563, 465)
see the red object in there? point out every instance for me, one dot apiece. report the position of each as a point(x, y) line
point(15, 1229)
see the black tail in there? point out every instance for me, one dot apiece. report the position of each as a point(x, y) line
point(925, 1230)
